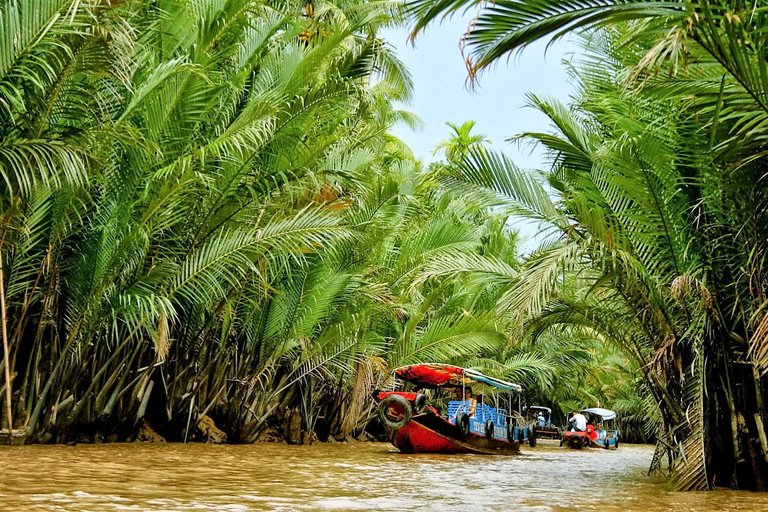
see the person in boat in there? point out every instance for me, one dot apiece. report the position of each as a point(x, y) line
point(579, 422)
point(467, 396)
point(591, 432)
point(541, 421)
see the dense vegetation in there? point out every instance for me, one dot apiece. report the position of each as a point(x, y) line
point(185, 189)
point(203, 214)
point(657, 208)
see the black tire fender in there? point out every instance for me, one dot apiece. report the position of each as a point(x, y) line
point(462, 425)
point(489, 429)
point(510, 433)
point(532, 439)
point(419, 403)
point(385, 414)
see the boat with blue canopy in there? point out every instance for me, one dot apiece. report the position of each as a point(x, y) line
point(485, 424)
point(601, 432)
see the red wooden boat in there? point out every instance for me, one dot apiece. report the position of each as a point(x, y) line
point(417, 427)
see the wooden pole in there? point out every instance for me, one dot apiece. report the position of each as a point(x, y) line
point(759, 413)
point(189, 418)
point(6, 357)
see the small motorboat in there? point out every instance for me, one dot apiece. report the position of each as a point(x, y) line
point(599, 437)
point(543, 429)
point(418, 427)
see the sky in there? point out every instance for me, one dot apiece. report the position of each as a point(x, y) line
point(497, 104)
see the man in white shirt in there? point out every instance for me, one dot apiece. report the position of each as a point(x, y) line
point(579, 422)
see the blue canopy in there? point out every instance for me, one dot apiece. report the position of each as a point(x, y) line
point(607, 414)
point(491, 381)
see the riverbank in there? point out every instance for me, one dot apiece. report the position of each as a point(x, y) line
point(205, 431)
point(342, 476)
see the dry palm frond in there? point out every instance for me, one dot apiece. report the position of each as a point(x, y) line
point(689, 471)
point(162, 342)
point(758, 345)
point(685, 287)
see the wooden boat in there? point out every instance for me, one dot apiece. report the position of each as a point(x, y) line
point(546, 430)
point(418, 427)
point(19, 436)
point(600, 437)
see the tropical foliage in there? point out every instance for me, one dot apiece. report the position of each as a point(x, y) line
point(203, 214)
point(565, 367)
point(170, 169)
point(655, 203)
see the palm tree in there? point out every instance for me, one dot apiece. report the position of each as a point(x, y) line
point(204, 215)
point(461, 141)
point(164, 171)
point(658, 173)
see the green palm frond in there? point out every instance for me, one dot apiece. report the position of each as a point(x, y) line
point(531, 369)
point(224, 261)
point(495, 172)
point(505, 26)
point(485, 269)
point(539, 279)
point(447, 339)
point(27, 163)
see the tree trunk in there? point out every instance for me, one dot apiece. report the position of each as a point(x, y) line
point(6, 357)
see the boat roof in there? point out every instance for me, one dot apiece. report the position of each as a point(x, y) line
point(540, 408)
point(607, 414)
point(436, 375)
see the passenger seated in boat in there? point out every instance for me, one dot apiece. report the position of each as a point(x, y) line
point(578, 422)
point(467, 396)
point(591, 432)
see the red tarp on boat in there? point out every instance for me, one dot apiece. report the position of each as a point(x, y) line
point(435, 375)
point(431, 375)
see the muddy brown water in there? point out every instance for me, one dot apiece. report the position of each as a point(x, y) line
point(342, 476)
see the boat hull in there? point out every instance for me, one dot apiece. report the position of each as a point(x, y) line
point(430, 433)
point(576, 440)
point(579, 440)
point(609, 443)
point(19, 436)
point(547, 432)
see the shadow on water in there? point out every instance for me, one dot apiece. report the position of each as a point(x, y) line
point(358, 476)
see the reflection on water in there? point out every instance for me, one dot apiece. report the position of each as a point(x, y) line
point(360, 476)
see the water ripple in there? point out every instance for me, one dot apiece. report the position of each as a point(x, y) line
point(355, 476)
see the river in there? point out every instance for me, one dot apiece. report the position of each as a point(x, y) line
point(341, 476)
